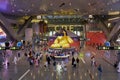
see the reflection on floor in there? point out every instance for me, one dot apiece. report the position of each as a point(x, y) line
point(83, 71)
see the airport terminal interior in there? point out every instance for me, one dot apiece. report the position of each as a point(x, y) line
point(59, 39)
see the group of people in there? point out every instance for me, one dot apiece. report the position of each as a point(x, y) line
point(34, 58)
point(75, 61)
point(98, 66)
point(117, 66)
point(57, 65)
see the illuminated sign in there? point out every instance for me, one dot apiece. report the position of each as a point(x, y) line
point(109, 48)
point(107, 44)
point(11, 48)
point(2, 34)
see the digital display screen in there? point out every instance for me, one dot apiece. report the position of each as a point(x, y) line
point(11, 48)
point(2, 48)
point(109, 48)
point(14, 48)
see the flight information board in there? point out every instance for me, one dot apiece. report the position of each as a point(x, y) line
point(109, 48)
point(9, 48)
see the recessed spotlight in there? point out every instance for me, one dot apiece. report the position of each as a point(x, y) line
point(109, 24)
point(39, 17)
point(90, 16)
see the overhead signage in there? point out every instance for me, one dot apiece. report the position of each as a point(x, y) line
point(109, 48)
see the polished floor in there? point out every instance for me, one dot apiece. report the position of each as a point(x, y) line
point(83, 71)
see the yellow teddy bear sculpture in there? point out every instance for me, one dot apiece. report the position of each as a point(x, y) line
point(62, 41)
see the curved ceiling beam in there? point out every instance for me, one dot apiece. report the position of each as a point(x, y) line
point(25, 25)
point(7, 26)
point(103, 26)
point(6, 31)
point(115, 29)
point(115, 37)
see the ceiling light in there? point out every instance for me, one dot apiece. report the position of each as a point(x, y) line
point(45, 21)
point(114, 13)
point(39, 17)
point(118, 40)
point(90, 16)
point(113, 18)
point(35, 21)
point(109, 24)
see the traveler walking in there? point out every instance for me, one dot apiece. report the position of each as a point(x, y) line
point(15, 60)
point(99, 71)
point(73, 60)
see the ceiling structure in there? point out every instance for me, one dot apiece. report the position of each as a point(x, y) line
point(36, 7)
point(21, 11)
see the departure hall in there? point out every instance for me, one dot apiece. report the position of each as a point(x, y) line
point(59, 39)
